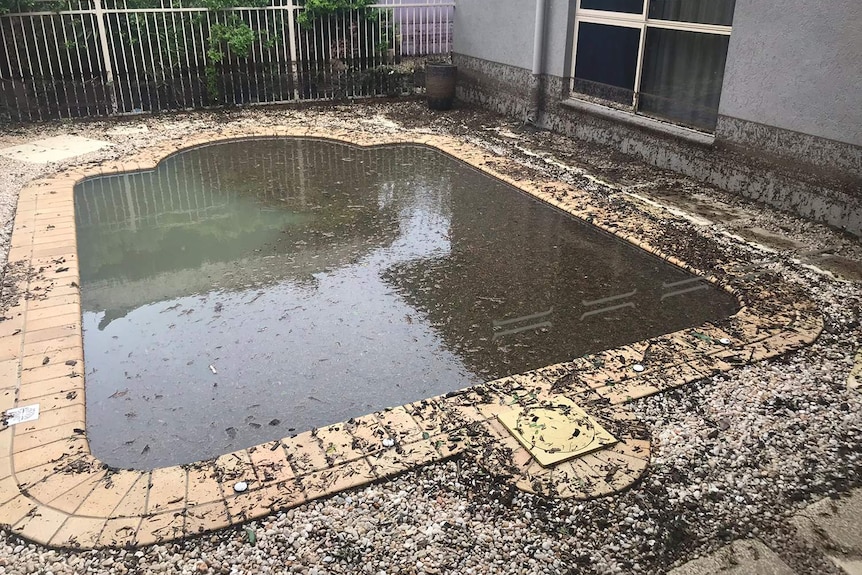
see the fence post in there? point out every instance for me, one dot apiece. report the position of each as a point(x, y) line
point(292, 39)
point(106, 54)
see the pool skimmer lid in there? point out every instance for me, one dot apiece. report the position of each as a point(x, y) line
point(556, 430)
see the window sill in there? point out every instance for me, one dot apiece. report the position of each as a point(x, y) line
point(639, 121)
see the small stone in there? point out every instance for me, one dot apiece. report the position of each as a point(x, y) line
point(388, 442)
point(202, 567)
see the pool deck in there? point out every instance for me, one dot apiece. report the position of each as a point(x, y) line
point(54, 492)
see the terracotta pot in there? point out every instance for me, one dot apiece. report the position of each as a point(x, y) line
point(440, 85)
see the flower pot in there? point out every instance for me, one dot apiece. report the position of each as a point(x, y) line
point(440, 85)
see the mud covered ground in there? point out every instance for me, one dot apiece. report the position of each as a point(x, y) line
point(734, 456)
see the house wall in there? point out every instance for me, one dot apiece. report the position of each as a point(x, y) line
point(797, 65)
point(496, 33)
point(761, 148)
point(502, 31)
point(793, 89)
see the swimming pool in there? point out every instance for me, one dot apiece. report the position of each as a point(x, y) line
point(248, 290)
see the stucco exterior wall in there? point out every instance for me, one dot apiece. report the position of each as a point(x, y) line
point(789, 130)
point(501, 31)
point(797, 65)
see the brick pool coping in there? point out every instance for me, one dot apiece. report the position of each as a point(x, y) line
point(55, 492)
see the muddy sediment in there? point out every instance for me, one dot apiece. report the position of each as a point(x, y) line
point(734, 455)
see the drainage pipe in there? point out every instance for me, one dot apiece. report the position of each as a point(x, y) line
point(538, 62)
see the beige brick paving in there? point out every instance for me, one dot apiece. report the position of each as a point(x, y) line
point(53, 491)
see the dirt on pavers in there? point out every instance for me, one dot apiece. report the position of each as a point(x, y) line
point(734, 455)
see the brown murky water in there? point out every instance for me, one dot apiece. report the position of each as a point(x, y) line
point(249, 290)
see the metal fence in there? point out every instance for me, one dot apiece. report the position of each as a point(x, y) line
point(104, 57)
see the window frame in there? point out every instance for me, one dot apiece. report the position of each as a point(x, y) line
point(628, 20)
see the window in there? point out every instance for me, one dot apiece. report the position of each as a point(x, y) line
point(662, 58)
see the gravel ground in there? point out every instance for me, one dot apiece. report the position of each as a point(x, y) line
point(734, 456)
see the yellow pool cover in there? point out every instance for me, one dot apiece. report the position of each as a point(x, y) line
point(556, 430)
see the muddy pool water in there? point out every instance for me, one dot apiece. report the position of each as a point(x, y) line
point(249, 290)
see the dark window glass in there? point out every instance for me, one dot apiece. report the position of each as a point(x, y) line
point(700, 11)
point(606, 60)
point(682, 76)
point(628, 6)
